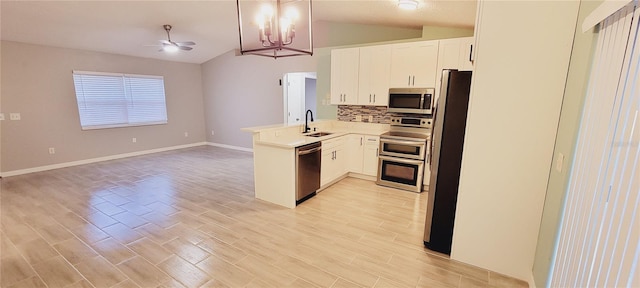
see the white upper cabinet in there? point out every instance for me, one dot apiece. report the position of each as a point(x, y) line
point(453, 54)
point(466, 54)
point(414, 64)
point(373, 84)
point(344, 76)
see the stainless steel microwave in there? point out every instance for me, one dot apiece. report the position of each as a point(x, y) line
point(411, 100)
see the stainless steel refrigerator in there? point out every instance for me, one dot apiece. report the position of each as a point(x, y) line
point(449, 124)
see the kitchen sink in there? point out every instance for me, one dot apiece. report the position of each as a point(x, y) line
point(318, 134)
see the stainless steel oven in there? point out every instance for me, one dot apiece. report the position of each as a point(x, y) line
point(409, 148)
point(403, 151)
point(400, 173)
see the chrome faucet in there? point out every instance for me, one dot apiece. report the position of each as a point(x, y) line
point(306, 121)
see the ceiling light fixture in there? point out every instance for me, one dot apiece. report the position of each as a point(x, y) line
point(408, 4)
point(277, 28)
point(170, 48)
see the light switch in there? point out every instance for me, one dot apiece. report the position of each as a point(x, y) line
point(559, 162)
point(1, 116)
point(14, 116)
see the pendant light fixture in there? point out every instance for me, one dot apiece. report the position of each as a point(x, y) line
point(275, 28)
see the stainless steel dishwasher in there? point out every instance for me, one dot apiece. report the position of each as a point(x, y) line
point(307, 171)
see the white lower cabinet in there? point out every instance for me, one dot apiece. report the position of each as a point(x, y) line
point(370, 155)
point(333, 160)
point(363, 154)
point(355, 147)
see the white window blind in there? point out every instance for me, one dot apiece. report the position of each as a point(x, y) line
point(599, 240)
point(107, 100)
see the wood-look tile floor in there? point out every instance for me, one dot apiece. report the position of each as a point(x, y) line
point(188, 218)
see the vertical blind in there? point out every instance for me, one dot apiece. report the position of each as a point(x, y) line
point(599, 240)
point(107, 100)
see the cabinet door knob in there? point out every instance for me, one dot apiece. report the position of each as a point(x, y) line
point(414, 81)
point(409, 81)
point(374, 98)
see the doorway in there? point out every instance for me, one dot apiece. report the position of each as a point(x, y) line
point(299, 90)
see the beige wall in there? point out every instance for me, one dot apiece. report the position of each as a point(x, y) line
point(244, 91)
point(435, 32)
point(329, 34)
point(519, 78)
point(37, 82)
point(572, 105)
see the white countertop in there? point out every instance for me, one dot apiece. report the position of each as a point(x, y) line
point(290, 139)
point(293, 141)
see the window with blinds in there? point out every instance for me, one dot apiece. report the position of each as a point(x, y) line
point(599, 240)
point(108, 100)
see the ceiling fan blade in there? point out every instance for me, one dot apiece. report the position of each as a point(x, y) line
point(165, 42)
point(185, 48)
point(186, 43)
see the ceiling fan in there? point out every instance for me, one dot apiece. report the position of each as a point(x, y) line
point(171, 46)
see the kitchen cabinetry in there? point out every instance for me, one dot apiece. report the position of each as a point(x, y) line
point(363, 154)
point(466, 54)
point(333, 160)
point(373, 75)
point(344, 76)
point(355, 149)
point(453, 53)
point(414, 64)
point(370, 155)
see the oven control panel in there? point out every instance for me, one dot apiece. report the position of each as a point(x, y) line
point(412, 122)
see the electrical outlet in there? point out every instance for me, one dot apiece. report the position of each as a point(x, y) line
point(212, 133)
point(1, 116)
point(52, 150)
point(14, 116)
point(559, 162)
point(358, 118)
point(134, 140)
point(370, 118)
point(186, 134)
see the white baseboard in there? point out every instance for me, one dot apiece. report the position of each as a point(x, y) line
point(362, 176)
point(99, 159)
point(230, 147)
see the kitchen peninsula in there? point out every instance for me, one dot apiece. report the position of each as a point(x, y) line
point(344, 153)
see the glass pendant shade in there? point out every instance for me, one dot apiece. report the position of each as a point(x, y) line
point(275, 28)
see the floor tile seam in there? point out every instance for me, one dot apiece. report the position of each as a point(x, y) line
point(230, 263)
point(311, 264)
point(447, 284)
point(194, 266)
point(69, 264)
point(33, 270)
point(148, 262)
point(112, 266)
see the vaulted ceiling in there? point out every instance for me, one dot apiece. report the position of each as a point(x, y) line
point(134, 27)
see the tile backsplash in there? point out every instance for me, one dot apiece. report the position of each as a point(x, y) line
point(350, 113)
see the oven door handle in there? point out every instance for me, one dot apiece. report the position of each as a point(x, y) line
point(412, 143)
point(401, 160)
